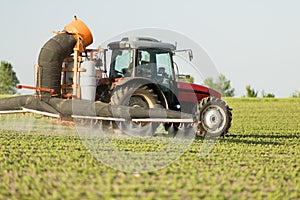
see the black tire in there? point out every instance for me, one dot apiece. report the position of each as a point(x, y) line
point(214, 117)
point(135, 96)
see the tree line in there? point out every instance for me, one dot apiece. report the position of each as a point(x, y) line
point(223, 85)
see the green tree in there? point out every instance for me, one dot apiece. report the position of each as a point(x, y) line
point(222, 84)
point(251, 92)
point(296, 94)
point(8, 79)
point(267, 95)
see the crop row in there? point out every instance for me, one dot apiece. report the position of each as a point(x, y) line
point(259, 160)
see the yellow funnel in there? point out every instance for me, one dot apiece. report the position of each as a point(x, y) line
point(80, 28)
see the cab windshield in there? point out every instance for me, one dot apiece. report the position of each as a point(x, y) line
point(155, 64)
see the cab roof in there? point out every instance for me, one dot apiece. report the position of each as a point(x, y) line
point(141, 43)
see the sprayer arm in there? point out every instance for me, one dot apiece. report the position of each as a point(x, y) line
point(51, 91)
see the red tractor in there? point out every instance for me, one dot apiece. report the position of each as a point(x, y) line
point(141, 83)
point(142, 73)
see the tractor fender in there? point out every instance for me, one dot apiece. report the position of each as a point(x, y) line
point(142, 81)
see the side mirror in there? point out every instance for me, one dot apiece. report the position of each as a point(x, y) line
point(190, 53)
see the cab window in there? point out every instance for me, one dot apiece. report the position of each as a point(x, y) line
point(121, 61)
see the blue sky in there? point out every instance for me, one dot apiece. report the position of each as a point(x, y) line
point(254, 42)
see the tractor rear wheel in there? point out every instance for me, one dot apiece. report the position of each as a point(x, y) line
point(214, 117)
point(138, 97)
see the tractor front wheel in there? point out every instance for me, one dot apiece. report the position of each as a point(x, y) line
point(214, 117)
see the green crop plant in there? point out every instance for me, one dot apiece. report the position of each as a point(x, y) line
point(258, 160)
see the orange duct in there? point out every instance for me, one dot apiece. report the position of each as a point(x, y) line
point(80, 29)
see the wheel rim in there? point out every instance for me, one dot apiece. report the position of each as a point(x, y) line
point(213, 119)
point(145, 99)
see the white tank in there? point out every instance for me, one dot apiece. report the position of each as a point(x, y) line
point(87, 81)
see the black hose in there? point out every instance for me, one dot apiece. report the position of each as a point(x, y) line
point(26, 101)
point(68, 107)
point(50, 61)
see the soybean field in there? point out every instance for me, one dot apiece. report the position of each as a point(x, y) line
point(260, 159)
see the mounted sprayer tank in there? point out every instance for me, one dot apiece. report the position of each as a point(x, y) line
point(87, 81)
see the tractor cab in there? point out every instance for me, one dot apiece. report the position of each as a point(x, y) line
point(141, 62)
point(142, 57)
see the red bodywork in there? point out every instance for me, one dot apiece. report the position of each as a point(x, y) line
point(193, 93)
point(187, 92)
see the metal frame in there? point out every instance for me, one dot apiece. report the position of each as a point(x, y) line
point(161, 120)
point(26, 110)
